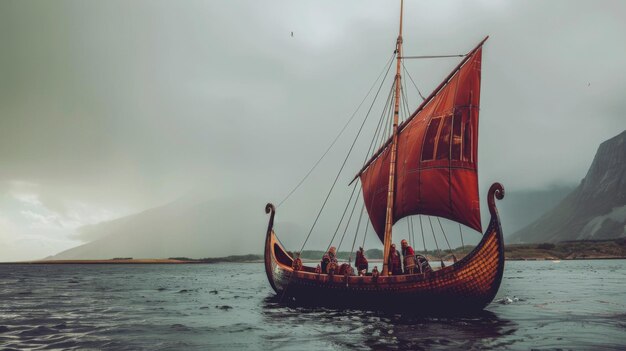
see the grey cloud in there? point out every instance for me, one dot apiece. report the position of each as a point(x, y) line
point(127, 105)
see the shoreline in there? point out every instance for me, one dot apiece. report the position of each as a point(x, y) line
point(610, 249)
point(214, 261)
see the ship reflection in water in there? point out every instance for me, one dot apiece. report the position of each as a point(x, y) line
point(355, 329)
point(569, 305)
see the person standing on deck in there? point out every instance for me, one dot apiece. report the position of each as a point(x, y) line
point(395, 265)
point(329, 257)
point(408, 256)
point(361, 262)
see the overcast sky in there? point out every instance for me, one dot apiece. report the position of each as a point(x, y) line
point(108, 108)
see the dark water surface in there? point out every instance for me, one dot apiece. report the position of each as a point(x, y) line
point(564, 305)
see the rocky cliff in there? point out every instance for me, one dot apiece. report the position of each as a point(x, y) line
point(596, 209)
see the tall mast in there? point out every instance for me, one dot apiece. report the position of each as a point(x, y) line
point(394, 147)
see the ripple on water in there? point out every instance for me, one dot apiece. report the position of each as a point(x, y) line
point(36, 331)
point(180, 327)
point(230, 306)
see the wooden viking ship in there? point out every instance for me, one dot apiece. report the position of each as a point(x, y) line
point(428, 166)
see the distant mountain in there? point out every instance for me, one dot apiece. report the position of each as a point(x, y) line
point(596, 209)
point(198, 228)
point(186, 228)
point(522, 207)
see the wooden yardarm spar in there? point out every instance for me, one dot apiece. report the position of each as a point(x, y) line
point(428, 166)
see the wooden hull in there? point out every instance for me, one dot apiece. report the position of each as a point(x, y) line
point(468, 285)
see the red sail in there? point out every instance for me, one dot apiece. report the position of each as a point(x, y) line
point(436, 170)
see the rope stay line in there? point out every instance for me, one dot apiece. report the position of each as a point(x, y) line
point(415, 85)
point(461, 233)
point(444, 234)
point(340, 133)
point(380, 124)
point(407, 108)
point(378, 133)
point(345, 160)
point(381, 129)
point(435, 238)
point(342, 216)
point(402, 106)
point(345, 230)
point(413, 232)
point(367, 225)
point(385, 135)
point(423, 239)
point(356, 233)
point(408, 225)
point(405, 97)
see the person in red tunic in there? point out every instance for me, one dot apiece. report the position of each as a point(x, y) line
point(395, 265)
point(328, 258)
point(361, 262)
point(408, 257)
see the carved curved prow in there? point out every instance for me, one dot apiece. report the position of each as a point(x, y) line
point(270, 209)
point(496, 191)
point(269, 270)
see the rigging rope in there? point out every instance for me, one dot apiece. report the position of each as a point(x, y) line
point(367, 225)
point(342, 216)
point(344, 163)
point(415, 85)
point(384, 132)
point(407, 109)
point(348, 222)
point(436, 244)
point(378, 128)
point(388, 65)
point(405, 98)
point(444, 234)
point(408, 225)
point(423, 239)
point(413, 232)
point(356, 233)
point(403, 109)
point(461, 233)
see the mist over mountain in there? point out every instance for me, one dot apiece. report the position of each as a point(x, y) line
point(191, 228)
point(196, 227)
point(522, 207)
point(596, 209)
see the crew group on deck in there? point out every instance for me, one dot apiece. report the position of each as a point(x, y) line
point(405, 262)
